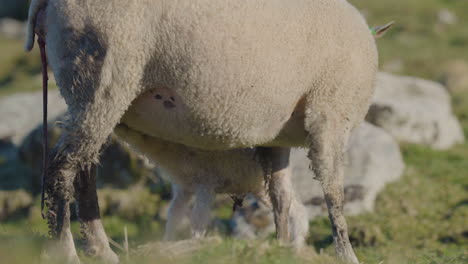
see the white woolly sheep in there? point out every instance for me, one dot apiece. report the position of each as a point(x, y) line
point(212, 75)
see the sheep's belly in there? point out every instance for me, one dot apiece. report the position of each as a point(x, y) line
point(163, 114)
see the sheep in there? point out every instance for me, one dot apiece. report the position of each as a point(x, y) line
point(203, 174)
point(210, 75)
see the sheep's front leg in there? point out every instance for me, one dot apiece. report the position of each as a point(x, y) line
point(177, 210)
point(97, 243)
point(201, 211)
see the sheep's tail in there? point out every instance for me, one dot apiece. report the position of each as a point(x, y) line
point(34, 8)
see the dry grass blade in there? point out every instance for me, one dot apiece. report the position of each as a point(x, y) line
point(126, 242)
point(176, 249)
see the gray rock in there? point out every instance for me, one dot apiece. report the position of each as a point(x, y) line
point(119, 166)
point(373, 160)
point(13, 174)
point(415, 110)
point(12, 28)
point(446, 17)
point(21, 113)
point(14, 204)
point(21, 158)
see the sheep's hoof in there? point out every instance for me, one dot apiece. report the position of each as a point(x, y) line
point(60, 251)
point(346, 253)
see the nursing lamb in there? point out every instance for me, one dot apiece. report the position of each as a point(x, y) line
point(204, 173)
point(212, 75)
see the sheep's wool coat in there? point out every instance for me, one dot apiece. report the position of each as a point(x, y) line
point(216, 74)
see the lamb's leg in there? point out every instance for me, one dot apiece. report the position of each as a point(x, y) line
point(278, 172)
point(177, 210)
point(299, 223)
point(201, 212)
point(93, 232)
point(328, 137)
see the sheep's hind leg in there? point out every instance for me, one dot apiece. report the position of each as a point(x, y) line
point(282, 193)
point(275, 162)
point(58, 190)
point(328, 137)
point(97, 243)
point(97, 98)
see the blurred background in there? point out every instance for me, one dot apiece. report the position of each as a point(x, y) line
point(406, 175)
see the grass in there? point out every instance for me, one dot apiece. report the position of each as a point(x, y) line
point(418, 40)
point(420, 219)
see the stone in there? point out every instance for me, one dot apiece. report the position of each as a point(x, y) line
point(12, 28)
point(21, 113)
point(373, 159)
point(120, 167)
point(14, 204)
point(13, 174)
point(446, 17)
point(415, 111)
point(30, 153)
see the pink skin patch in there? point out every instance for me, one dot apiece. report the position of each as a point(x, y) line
point(165, 96)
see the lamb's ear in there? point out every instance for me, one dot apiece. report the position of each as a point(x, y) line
point(379, 31)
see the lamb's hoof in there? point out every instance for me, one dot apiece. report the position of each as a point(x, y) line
point(106, 255)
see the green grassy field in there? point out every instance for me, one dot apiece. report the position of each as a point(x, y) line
point(420, 219)
point(421, 43)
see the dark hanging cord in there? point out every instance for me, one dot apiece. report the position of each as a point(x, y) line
point(45, 154)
